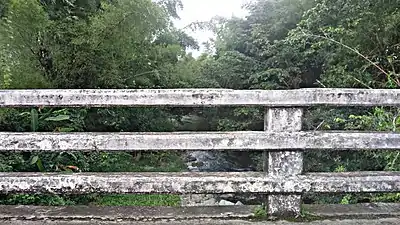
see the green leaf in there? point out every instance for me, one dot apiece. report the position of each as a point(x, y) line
point(40, 165)
point(34, 159)
point(24, 114)
point(58, 118)
point(34, 120)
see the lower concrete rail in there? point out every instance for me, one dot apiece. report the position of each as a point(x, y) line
point(390, 221)
point(198, 183)
point(369, 214)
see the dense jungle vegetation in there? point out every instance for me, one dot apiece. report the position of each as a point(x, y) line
point(281, 44)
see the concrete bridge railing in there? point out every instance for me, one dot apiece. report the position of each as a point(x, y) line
point(283, 143)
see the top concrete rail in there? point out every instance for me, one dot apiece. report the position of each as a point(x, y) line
point(198, 97)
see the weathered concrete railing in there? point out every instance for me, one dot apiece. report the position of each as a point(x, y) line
point(283, 143)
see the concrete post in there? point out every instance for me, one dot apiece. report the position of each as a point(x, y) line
point(283, 163)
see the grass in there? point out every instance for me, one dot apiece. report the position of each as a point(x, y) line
point(260, 213)
point(139, 200)
point(92, 199)
point(387, 197)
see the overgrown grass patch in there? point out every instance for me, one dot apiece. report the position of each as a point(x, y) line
point(139, 200)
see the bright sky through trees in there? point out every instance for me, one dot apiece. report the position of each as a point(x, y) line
point(204, 10)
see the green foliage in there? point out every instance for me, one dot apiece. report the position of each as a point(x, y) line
point(4, 4)
point(391, 197)
point(25, 199)
point(21, 31)
point(72, 9)
point(103, 200)
point(139, 200)
point(124, 162)
point(92, 44)
point(380, 119)
point(260, 212)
